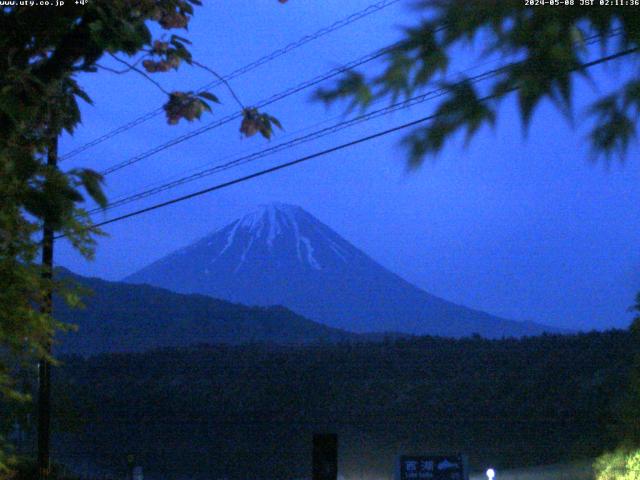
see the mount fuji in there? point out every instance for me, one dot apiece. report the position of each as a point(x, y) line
point(281, 255)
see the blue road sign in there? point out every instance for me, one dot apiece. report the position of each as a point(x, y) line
point(431, 467)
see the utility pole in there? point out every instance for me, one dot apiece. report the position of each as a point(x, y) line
point(44, 366)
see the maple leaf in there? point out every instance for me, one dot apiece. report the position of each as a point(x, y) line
point(255, 122)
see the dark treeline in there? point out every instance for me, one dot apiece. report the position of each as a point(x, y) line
point(249, 411)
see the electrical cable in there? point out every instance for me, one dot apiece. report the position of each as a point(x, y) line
point(416, 100)
point(240, 71)
point(322, 152)
point(295, 142)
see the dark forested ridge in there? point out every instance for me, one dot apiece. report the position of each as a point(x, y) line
point(249, 411)
point(120, 317)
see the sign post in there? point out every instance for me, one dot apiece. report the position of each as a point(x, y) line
point(431, 467)
point(325, 456)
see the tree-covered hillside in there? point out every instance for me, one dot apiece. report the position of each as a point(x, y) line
point(249, 411)
point(120, 317)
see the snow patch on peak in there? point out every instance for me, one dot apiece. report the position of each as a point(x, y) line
point(268, 222)
point(310, 258)
point(244, 254)
point(338, 250)
point(289, 214)
point(274, 226)
point(230, 237)
point(265, 220)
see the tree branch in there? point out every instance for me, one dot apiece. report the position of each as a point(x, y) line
point(222, 79)
point(126, 70)
point(137, 70)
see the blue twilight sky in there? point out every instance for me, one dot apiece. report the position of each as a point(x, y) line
point(527, 228)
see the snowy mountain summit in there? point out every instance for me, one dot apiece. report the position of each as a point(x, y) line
point(285, 231)
point(280, 254)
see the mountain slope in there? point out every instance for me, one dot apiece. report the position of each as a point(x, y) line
point(131, 318)
point(282, 255)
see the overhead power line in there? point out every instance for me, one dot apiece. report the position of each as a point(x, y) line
point(416, 100)
point(263, 103)
point(302, 139)
point(328, 151)
point(267, 171)
point(376, 7)
point(234, 116)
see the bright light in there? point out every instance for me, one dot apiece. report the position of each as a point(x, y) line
point(491, 473)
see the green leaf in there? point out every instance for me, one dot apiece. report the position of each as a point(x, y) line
point(72, 87)
point(92, 183)
point(204, 105)
point(96, 27)
point(613, 134)
point(179, 40)
point(276, 122)
point(396, 78)
point(209, 96)
point(353, 86)
point(631, 96)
